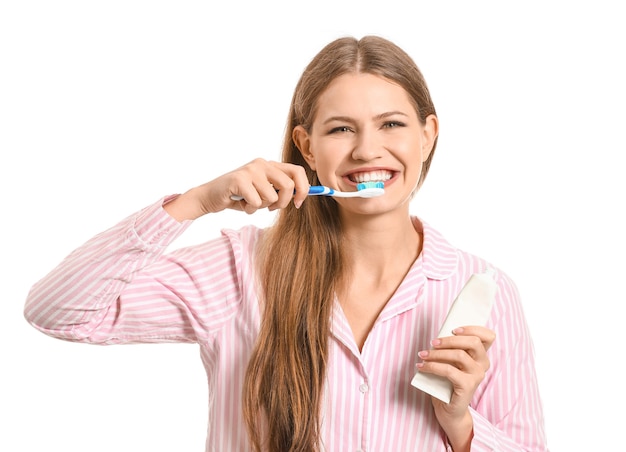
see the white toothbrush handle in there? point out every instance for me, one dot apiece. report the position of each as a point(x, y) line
point(327, 191)
point(313, 190)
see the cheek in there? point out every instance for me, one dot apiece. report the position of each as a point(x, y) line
point(329, 152)
point(324, 164)
point(409, 151)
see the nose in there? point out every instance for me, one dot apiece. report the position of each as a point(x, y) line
point(367, 146)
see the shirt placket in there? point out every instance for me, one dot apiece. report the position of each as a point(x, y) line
point(364, 412)
point(343, 333)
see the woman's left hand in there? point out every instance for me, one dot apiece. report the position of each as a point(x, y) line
point(462, 359)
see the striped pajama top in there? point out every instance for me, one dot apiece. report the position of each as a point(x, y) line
point(122, 287)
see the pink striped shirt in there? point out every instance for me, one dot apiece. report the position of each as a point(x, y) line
point(121, 287)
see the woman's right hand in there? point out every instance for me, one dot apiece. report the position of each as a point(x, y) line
point(261, 183)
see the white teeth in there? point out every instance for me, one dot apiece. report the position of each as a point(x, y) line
point(377, 176)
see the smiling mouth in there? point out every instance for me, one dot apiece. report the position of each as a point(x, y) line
point(371, 176)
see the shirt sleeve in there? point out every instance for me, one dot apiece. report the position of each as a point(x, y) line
point(507, 409)
point(121, 287)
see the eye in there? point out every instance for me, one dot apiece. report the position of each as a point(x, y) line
point(393, 124)
point(340, 129)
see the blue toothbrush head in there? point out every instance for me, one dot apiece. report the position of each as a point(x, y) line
point(370, 189)
point(364, 185)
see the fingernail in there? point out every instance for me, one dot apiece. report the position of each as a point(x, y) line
point(435, 342)
point(423, 354)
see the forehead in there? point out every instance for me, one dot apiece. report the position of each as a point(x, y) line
point(354, 93)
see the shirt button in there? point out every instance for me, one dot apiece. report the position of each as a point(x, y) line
point(364, 388)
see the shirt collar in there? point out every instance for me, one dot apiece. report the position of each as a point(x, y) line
point(439, 257)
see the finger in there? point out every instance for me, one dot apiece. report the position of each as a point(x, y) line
point(292, 183)
point(464, 383)
point(257, 183)
point(472, 346)
point(257, 196)
point(268, 184)
point(487, 336)
point(301, 184)
point(458, 358)
point(455, 366)
point(442, 369)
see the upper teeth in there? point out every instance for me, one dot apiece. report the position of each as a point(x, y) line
point(381, 176)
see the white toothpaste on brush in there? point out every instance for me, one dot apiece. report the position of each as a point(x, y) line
point(472, 306)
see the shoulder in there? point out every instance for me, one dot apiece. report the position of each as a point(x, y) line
point(243, 244)
point(244, 239)
point(447, 263)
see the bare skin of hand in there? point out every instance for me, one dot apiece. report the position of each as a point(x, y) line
point(462, 359)
point(262, 184)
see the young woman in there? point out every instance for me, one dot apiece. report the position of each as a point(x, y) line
point(312, 329)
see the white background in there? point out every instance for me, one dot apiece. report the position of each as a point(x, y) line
point(107, 106)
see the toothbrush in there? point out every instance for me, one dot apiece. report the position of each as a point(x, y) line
point(364, 190)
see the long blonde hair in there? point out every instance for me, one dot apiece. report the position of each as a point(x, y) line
point(301, 262)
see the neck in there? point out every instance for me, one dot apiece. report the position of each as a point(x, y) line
point(381, 246)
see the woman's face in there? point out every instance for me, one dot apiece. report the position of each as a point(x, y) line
point(367, 129)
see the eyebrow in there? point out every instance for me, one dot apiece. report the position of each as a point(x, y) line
point(376, 118)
